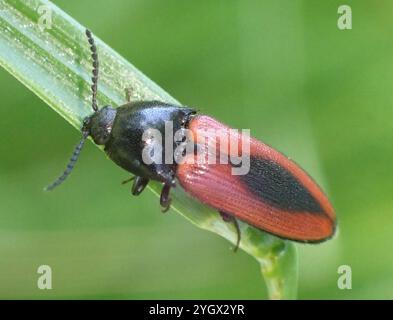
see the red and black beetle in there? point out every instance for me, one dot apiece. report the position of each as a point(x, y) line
point(275, 195)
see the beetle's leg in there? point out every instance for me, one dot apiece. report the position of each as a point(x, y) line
point(139, 184)
point(128, 180)
point(128, 92)
point(165, 200)
point(229, 218)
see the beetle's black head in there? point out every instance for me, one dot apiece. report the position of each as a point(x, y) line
point(99, 124)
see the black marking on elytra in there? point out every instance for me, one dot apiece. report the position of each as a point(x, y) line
point(278, 187)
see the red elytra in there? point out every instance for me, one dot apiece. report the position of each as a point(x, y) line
point(276, 195)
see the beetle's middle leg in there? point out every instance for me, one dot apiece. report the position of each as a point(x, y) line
point(165, 200)
point(229, 218)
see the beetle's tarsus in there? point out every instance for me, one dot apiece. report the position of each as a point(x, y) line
point(165, 200)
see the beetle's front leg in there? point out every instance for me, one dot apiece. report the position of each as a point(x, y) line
point(139, 185)
point(128, 92)
point(128, 180)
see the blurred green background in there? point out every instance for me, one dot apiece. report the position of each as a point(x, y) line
point(321, 95)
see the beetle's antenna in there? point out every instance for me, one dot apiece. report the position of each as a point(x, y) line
point(94, 78)
point(85, 134)
point(70, 164)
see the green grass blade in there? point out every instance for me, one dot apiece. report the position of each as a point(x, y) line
point(54, 62)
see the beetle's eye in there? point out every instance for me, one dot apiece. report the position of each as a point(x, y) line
point(86, 123)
